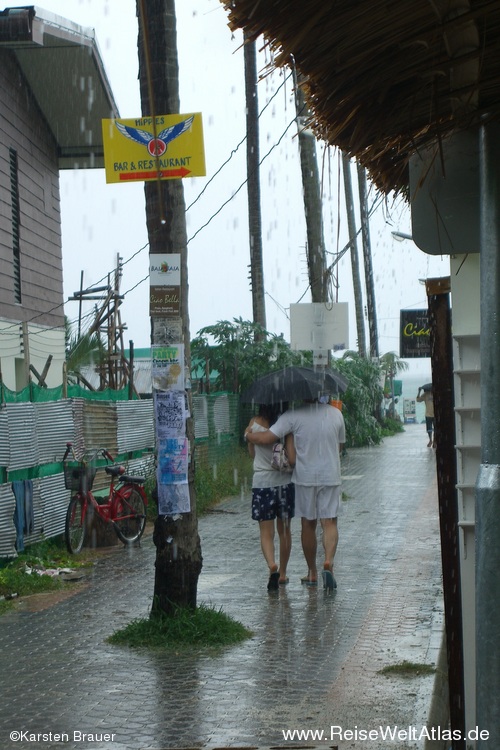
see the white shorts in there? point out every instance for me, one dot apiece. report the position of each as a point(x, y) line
point(317, 502)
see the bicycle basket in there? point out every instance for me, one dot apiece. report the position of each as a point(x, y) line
point(79, 476)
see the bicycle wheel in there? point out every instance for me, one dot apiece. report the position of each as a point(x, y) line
point(130, 518)
point(74, 529)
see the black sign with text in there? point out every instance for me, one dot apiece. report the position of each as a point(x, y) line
point(414, 334)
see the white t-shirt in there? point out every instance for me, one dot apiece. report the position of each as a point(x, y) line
point(317, 430)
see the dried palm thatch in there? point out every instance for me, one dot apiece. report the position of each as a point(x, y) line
point(384, 78)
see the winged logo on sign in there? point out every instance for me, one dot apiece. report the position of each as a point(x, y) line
point(156, 146)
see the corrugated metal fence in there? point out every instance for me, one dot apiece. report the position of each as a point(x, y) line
point(217, 428)
point(33, 439)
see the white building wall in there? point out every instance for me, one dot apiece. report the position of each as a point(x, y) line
point(42, 343)
point(465, 289)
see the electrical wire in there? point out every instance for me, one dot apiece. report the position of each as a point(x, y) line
point(235, 150)
point(242, 184)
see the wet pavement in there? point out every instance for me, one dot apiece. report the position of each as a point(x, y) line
point(313, 662)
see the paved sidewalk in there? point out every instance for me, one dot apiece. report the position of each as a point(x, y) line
point(312, 664)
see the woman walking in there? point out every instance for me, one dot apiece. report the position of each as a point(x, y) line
point(273, 499)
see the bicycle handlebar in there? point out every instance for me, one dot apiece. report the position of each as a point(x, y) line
point(105, 453)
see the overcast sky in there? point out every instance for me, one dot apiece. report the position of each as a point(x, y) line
point(100, 221)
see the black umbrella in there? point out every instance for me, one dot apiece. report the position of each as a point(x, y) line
point(294, 384)
point(426, 387)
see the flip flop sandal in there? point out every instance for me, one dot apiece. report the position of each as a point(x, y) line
point(329, 582)
point(273, 583)
point(307, 581)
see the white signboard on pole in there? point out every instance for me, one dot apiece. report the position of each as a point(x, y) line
point(319, 326)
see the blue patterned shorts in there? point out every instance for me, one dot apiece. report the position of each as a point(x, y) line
point(269, 503)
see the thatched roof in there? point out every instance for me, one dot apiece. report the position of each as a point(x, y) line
point(384, 77)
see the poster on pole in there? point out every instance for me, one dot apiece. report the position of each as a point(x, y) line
point(170, 414)
point(173, 499)
point(164, 301)
point(164, 285)
point(167, 368)
point(173, 461)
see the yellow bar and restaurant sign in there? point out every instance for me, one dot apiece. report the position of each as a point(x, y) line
point(132, 153)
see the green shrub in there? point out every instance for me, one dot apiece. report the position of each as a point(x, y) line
point(391, 426)
point(361, 400)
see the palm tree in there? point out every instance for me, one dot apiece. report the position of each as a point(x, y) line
point(367, 257)
point(178, 548)
point(316, 251)
point(81, 352)
point(356, 278)
point(391, 365)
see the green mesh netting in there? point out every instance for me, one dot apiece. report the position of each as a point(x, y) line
point(39, 394)
point(36, 394)
point(13, 397)
point(76, 391)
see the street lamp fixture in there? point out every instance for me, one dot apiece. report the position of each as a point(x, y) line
point(400, 236)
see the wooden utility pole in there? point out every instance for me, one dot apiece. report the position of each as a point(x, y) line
point(438, 294)
point(253, 185)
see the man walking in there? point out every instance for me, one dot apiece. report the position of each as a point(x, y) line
point(318, 436)
point(428, 398)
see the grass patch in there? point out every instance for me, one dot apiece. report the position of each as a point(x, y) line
point(408, 669)
point(5, 606)
point(51, 553)
point(150, 490)
point(202, 627)
point(224, 479)
point(15, 580)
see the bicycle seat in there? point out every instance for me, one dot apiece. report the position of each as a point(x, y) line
point(119, 471)
point(115, 471)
